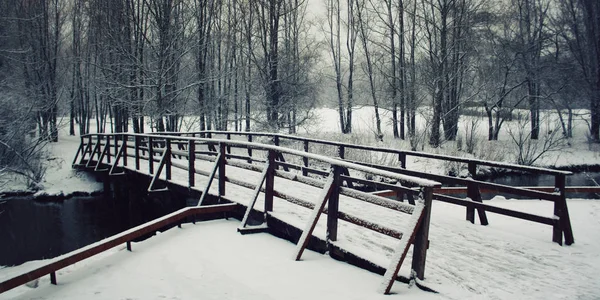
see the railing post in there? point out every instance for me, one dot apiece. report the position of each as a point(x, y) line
point(116, 144)
point(191, 163)
point(108, 147)
point(150, 155)
point(471, 193)
point(341, 151)
point(333, 206)
point(228, 146)
point(305, 159)
point(421, 242)
point(222, 169)
point(270, 181)
point(562, 212)
point(249, 148)
point(168, 157)
point(91, 148)
point(137, 152)
point(125, 137)
point(276, 140)
point(402, 159)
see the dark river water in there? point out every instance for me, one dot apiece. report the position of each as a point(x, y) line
point(31, 230)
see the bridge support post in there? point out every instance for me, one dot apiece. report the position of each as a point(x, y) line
point(421, 243)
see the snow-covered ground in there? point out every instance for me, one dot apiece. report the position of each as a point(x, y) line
point(509, 259)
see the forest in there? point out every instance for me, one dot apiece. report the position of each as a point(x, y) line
point(266, 65)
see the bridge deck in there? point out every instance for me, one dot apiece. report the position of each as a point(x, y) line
point(359, 239)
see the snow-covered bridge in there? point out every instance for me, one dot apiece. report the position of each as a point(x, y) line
point(300, 184)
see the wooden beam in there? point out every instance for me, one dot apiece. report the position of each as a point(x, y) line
point(314, 217)
point(402, 249)
point(263, 176)
point(210, 180)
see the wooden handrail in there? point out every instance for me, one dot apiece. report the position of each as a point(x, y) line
point(111, 242)
point(516, 167)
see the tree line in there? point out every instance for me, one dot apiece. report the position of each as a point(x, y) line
point(265, 64)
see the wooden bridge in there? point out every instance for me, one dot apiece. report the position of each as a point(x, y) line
point(274, 179)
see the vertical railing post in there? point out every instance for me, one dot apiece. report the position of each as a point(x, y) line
point(91, 148)
point(168, 157)
point(333, 206)
point(124, 138)
point(221, 169)
point(421, 242)
point(342, 151)
point(270, 180)
point(108, 147)
point(276, 140)
point(249, 148)
point(557, 232)
point(475, 195)
point(228, 146)
point(137, 152)
point(116, 146)
point(191, 163)
point(150, 155)
point(470, 216)
point(402, 159)
point(565, 220)
point(305, 159)
point(562, 212)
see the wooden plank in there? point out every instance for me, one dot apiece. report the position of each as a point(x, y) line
point(381, 185)
point(402, 249)
point(497, 210)
point(314, 217)
point(377, 200)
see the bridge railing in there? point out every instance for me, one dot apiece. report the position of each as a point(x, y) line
point(161, 155)
point(473, 184)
